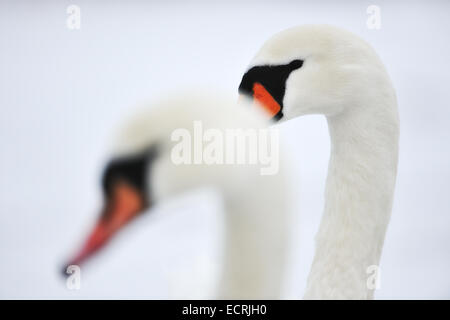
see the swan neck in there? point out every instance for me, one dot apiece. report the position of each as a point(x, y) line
point(358, 201)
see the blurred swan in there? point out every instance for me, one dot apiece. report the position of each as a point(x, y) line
point(142, 172)
point(324, 70)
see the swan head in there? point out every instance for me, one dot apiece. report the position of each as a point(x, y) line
point(126, 195)
point(143, 168)
point(314, 69)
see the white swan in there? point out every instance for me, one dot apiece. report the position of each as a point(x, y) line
point(141, 172)
point(325, 70)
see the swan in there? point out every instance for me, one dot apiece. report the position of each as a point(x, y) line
point(320, 69)
point(141, 172)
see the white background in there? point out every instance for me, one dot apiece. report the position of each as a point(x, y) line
point(62, 93)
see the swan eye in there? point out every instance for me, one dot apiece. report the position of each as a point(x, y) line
point(131, 169)
point(272, 80)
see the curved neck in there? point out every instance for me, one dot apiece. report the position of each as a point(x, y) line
point(359, 193)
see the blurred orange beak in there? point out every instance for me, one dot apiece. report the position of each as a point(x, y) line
point(266, 100)
point(124, 204)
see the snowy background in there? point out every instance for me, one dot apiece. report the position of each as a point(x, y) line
point(62, 93)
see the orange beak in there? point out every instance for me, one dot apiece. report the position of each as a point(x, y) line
point(124, 204)
point(266, 100)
